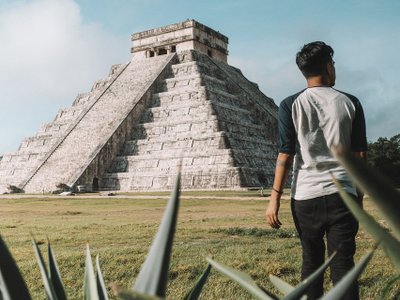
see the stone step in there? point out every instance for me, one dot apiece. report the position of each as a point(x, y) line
point(191, 94)
point(219, 140)
point(15, 174)
point(183, 83)
point(187, 68)
point(253, 159)
point(196, 67)
point(165, 159)
point(39, 143)
point(83, 99)
point(163, 166)
point(195, 95)
point(241, 141)
point(191, 110)
point(17, 157)
point(53, 127)
point(176, 127)
point(68, 114)
point(185, 107)
point(187, 123)
point(205, 178)
point(251, 89)
point(136, 147)
point(96, 125)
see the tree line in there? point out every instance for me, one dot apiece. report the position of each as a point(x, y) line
point(384, 155)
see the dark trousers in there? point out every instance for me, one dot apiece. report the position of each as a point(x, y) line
point(313, 219)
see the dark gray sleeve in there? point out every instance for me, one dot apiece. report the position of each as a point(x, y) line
point(287, 132)
point(358, 133)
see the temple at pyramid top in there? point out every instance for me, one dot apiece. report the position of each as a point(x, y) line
point(187, 35)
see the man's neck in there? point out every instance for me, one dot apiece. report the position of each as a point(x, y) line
point(316, 81)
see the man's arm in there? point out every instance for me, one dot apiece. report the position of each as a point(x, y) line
point(283, 166)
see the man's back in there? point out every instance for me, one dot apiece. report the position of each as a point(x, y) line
point(312, 121)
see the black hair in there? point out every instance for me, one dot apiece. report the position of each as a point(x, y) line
point(313, 58)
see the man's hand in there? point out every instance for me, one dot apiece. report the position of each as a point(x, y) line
point(283, 165)
point(272, 214)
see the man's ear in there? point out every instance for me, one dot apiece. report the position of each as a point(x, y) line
point(331, 73)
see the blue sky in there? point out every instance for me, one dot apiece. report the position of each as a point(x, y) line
point(51, 50)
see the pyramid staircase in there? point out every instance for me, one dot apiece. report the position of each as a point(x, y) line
point(208, 118)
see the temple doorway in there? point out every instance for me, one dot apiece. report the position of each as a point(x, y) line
point(95, 184)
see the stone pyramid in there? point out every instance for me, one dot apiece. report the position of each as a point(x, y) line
point(177, 102)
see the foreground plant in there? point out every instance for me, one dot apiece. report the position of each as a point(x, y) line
point(386, 198)
point(299, 291)
point(151, 282)
point(383, 194)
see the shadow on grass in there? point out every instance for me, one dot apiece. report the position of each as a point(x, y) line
point(258, 232)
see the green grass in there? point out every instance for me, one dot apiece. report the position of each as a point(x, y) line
point(121, 230)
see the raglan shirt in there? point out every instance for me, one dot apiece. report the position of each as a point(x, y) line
point(310, 123)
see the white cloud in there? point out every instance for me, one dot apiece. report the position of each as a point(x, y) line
point(47, 56)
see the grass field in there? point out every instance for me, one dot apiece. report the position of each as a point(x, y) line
point(229, 226)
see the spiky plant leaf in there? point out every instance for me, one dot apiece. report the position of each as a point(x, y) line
point(302, 288)
point(101, 286)
point(341, 288)
point(194, 294)
point(241, 278)
point(55, 276)
point(48, 285)
point(89, 284)
point(281, 285)
point(153, 276)
point(389, 243)
point(12, 284)
point(379, 190)
point(386, 289)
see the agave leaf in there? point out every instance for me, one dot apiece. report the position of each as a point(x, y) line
point(341, 288)
point(302, 288)
point(389, 243)
point(386, 289)
point(89, 284)
point(243, 279)
point(55, 276)
point(101, 286)
point(12, 284)
point(196, 291)
point(153, 276)
point(379, 190)
point(281, 285)
point(48, 285)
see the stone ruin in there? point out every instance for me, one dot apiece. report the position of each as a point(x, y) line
point(177, 102)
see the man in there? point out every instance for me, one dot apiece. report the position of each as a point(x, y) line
point(310, 123)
